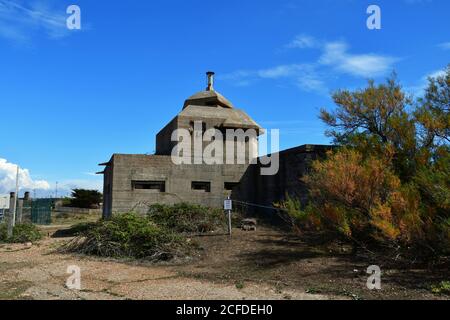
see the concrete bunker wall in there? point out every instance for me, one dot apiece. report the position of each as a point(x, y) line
point(127, 170)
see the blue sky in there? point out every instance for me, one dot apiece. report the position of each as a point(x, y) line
point(69, 99)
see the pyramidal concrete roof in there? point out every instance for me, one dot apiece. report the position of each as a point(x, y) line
point(229, 117)
point(208, 98)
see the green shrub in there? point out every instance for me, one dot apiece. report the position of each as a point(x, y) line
point(441, 288)
point(21, 233)
point(187, 218)
point(128, 235)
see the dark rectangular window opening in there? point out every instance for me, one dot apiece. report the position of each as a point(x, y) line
point(150, 185)
point(200, 185)
point(230, 185)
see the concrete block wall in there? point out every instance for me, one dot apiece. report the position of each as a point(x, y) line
point(294, 164)
point(164, 145)
point(124, 169)
point(253, 187)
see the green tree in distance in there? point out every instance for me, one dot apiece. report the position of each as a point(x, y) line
point(82, 198)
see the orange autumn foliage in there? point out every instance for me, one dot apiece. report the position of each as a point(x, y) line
point(388, 183)
point(360, 196)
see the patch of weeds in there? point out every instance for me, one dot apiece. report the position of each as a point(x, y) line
point(239, 285)
point(349, 294)
point(335, 291)
point(313, 291)
point(441, 288)
point(279, 287)
point(21, 233)
point(13, 290)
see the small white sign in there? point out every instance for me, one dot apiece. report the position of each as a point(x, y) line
point(4, 201)
point(228, 205)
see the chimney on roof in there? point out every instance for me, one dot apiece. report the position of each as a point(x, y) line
point(210, 76)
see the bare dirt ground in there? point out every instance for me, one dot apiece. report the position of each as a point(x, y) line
point(266, 264)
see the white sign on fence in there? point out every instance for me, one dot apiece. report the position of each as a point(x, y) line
point(4, 201)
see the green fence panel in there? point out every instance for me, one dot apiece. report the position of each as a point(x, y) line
point(41, 211)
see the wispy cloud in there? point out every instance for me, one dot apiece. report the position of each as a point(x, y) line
point(304, 76)
point(336, 54)
point(92, 174)
point(303, 41)
point(436, 74)
point(20, 21)
point(444, 45)
point(334, 58)
point(419, 89)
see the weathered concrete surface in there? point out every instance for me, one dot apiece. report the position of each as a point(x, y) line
point(125, 169)
point(122, 172)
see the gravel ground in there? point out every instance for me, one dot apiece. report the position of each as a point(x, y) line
point(266, 264)
point(37, 272)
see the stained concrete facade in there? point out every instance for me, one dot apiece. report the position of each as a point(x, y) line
point(132, 182)
point(265, 190)
point(124, 170)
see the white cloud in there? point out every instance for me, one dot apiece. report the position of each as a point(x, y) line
point(436, 74)
point(19, 21)
point(240, 78)
point(419, 89)
point(65, 187)
point(311, 83)
point(42, 188)
point(303, 41)
point(334, 59)
point(304, 76)
point(445, 45)
point(8, 178)
point(336, 54)
point(281, 71)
